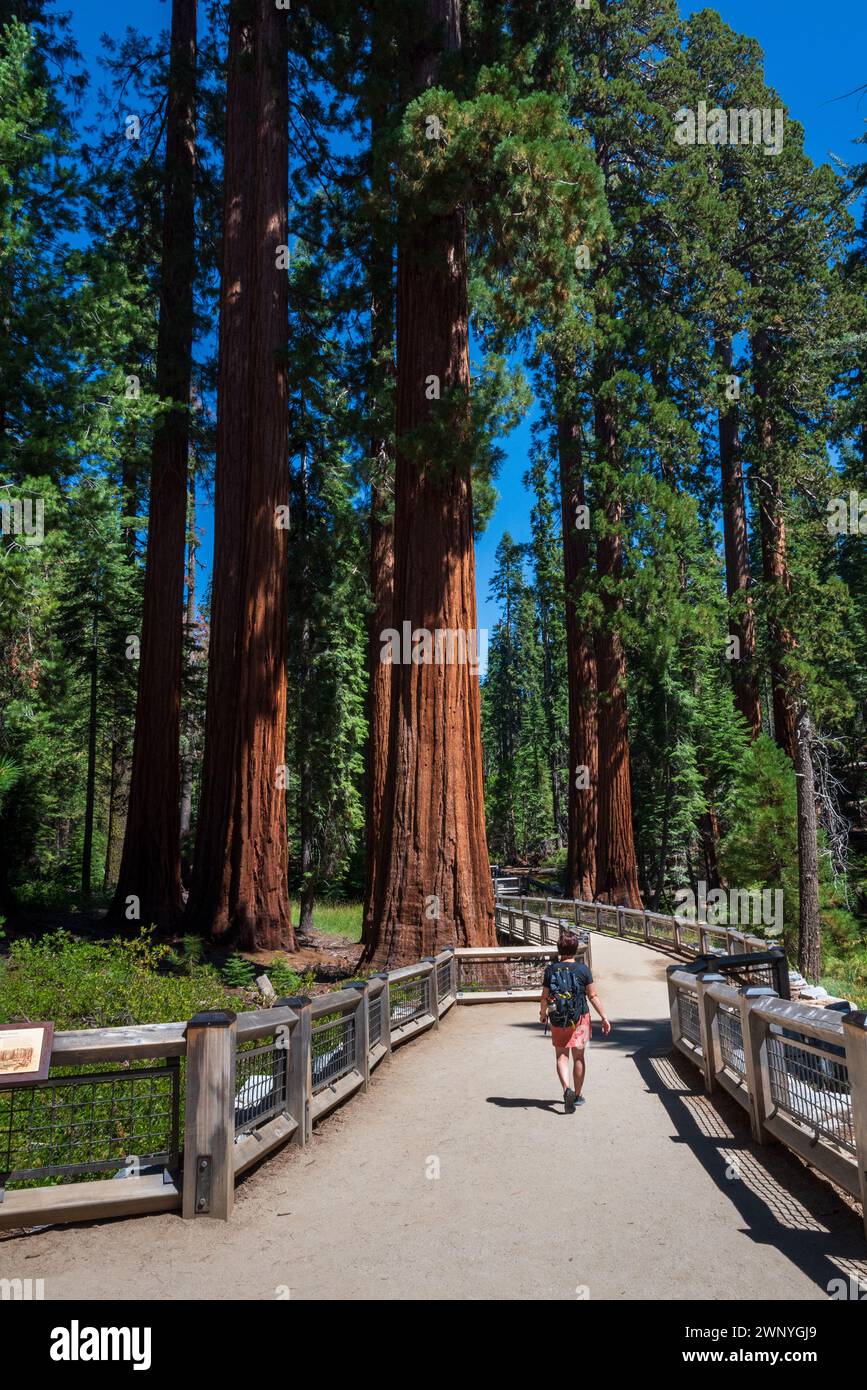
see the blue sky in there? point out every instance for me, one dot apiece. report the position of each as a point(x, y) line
point(814, 55)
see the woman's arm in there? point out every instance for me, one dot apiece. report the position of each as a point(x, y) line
point(599, 1007)
point(543, 1005)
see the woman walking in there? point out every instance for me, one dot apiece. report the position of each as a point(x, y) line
point(567, 988)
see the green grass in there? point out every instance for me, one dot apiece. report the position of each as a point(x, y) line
point(335, 918)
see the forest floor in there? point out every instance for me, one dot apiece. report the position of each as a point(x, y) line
point(458, 1175)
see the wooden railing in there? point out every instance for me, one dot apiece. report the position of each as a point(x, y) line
point(799, 1071)
point(178, 1111)
point(517, 922)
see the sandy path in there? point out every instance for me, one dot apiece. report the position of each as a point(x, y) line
point(629, 1197)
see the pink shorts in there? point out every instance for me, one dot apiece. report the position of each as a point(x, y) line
point(574, 1035)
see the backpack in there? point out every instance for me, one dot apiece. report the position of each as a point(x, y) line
point(568, 996)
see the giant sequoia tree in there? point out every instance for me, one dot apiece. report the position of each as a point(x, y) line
point(149, 883)
point(432, 880)
point(239, 886)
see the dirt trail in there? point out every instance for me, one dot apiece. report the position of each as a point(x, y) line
point(628, 1198)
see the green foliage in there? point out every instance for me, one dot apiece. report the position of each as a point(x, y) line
point(102, 984)
point(238, 972)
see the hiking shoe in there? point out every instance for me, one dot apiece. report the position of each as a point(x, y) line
point(579, 1100)
point(569, 1100)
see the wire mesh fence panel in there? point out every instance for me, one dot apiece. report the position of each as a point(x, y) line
point(444, 979)
point(608, 918)
point(660, 928)
point(504, 973)
point(687, 1013)
point(731, 1040)
point(374, 1021)
point(261, 1073)
point(408, 1000)
point(810, 1082)
point(332, 1050)
point(85, 1124)
point(690, 936)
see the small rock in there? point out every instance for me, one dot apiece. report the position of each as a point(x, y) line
point(265, 987)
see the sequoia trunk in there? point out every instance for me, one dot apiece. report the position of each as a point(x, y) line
point(742, 623)
point(239, 886)
point(150, 869)
point(616, 868)
point(580, 658)
point(433, 879)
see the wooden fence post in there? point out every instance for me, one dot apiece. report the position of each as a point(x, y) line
point(673, 1011)
point(433, 1005)
point(709, 1029)
point(362, 1030)
point(384, 1012)
point(299, 1085)
point(754, 1033)
point(855, 1036)
point(209, 1129)
point(646, 925)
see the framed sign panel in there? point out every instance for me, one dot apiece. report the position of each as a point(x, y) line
point(25, 1052)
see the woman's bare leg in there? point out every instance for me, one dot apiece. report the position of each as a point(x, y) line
point(563, 1066)
point(578, 1069)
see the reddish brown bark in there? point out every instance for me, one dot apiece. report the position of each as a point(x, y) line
point(382, 594)
point(380, 273)
point(580, 662)
point(616, 867)
point(775, 569)
point(742, 622)
point(150, 870)
point(433, 879)
point(239, 889)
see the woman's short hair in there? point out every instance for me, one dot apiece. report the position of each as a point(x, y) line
point(568, 942)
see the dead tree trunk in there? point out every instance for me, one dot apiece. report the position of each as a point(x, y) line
point(580, 656)
point(775, 569)
point(239, 886)
point(433, 879)
point(809, 930)
point(742, 623)
point(150, 865)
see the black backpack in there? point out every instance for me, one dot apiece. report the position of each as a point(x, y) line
point(567, 993)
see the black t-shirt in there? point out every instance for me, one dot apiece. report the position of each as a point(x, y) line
point(583, 977)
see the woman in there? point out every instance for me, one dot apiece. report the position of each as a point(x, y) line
point(566, 989)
